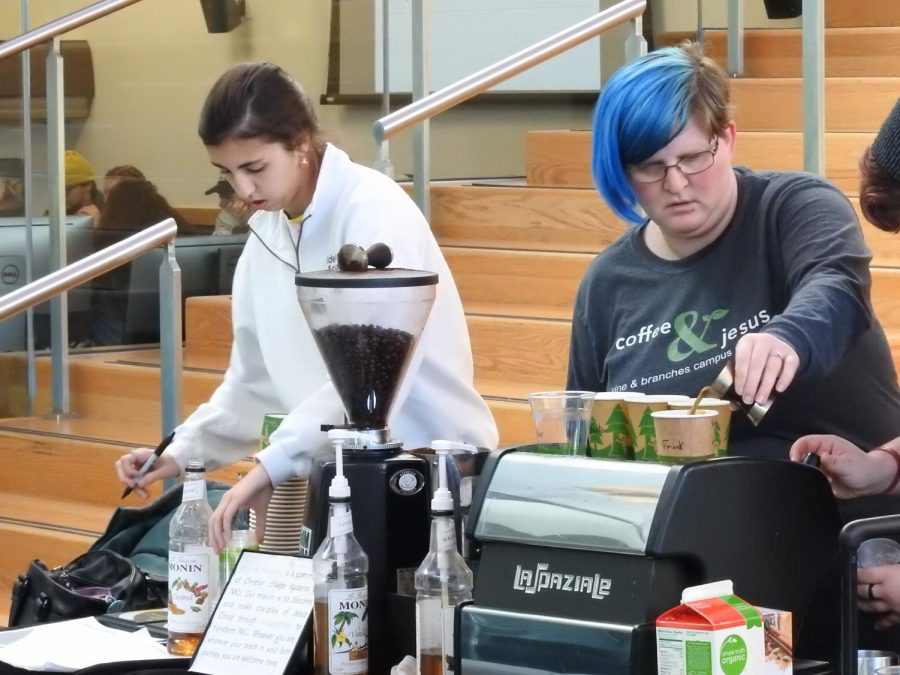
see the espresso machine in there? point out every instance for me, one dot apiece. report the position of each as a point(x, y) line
point(579, 556)
point(366, 325)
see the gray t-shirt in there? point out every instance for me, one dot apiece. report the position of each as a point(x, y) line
point(793, 263)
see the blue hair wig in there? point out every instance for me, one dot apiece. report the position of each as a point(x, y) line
point(642, 107)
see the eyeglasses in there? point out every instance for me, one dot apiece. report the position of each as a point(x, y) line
point(653, 172)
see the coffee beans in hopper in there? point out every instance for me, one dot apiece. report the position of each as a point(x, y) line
point(366, 364)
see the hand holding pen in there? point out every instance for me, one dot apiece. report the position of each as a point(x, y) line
point(147, 464)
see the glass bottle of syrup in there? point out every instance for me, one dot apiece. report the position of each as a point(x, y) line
point(443, 580)
point(193, 565)
point(340, 586)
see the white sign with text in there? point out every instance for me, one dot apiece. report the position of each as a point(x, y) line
point(259, 618)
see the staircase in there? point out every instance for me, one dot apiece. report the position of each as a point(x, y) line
point(517, 253)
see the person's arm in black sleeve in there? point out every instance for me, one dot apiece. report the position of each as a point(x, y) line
point(826, 267)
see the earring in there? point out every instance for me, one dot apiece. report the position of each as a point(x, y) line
point(304, 161)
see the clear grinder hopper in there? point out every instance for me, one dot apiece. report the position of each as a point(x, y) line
point(366, 326)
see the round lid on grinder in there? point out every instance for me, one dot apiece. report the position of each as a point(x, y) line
point(394, 277)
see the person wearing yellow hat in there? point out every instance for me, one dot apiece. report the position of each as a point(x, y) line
point(82, 195)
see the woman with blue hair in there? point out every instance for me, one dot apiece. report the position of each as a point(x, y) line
point(765, 269)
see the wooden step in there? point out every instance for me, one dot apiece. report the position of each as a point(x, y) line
point(776, 104)
point(850, 13)
point(537, 284)
point(552, 219)
point(849, 52)
point(207, 320)
point(516, 356)
point(64, 470)
point(885, 245)
point(514, 421)
point(125, 385)
point(563, 157)
point(886, 299)
point(71, 461)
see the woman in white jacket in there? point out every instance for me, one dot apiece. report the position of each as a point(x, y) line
point(310, 198)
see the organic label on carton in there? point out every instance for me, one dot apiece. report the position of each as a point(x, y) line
point(722, 635)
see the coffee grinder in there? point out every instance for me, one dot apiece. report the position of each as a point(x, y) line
point(366, 325)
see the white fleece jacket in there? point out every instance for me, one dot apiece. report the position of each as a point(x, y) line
point(275, 365)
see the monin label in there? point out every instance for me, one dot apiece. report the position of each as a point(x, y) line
point(541, 579)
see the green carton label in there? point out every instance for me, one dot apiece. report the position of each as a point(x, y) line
point(733, 659)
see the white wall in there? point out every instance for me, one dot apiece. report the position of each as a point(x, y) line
point(681, 15)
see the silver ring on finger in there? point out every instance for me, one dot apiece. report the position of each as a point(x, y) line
point(777, 355)
point(871, 592)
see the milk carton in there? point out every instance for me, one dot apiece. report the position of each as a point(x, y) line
point(711, 632)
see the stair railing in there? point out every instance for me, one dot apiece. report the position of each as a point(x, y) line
point(425, 107)
point(813, 43)
point(170, 333)
point(50, 32)
point(814, 86)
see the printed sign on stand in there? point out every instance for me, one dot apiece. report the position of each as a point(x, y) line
point(263, 617)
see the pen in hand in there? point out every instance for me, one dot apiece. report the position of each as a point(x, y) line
point(151, 460)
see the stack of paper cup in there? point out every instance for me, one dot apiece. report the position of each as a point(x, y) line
point(284, 517)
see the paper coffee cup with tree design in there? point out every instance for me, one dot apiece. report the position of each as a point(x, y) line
point(610, 435)
point(722, 423)
point(640, 407)
point(684, 437)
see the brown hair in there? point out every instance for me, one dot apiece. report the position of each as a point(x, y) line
point(710, 95)
point(126, 171)
point(879, 194)
point(258, 100)
point(132, 205)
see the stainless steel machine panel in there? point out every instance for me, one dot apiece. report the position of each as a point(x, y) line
point(500, 643)
point(572, 502)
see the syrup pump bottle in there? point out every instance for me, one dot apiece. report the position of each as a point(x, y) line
point(341, 590)
point(193, 565)
point(443, 580)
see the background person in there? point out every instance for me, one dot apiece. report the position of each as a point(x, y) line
point(261, 131)
point(879, 192)
point(123, 172)
point(854, 473)
point(132, 204)
point(12, 186)
point(766, 268)
point(235, 213)
point(82, 195)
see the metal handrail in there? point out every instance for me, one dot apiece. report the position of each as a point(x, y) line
point(104, 260)
point(50, 33)
point(87, 268)
point(464, 89)
point(814, 86)
point(62, 25)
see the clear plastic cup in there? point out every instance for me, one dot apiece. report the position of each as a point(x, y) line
point(562, 420)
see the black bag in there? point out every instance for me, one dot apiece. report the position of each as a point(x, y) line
point(94, 583)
